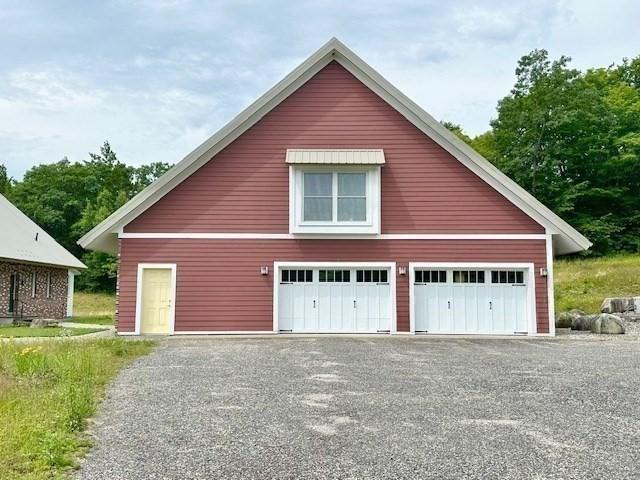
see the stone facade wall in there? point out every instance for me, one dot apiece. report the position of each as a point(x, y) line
point(40, 305)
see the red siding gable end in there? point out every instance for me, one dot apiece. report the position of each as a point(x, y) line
point(245, 188)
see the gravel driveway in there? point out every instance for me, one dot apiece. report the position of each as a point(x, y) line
point(373, 407)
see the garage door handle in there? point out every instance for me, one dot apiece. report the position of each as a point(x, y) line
point(314, 304)
point(449, 305)
point(354, 304)
point(490, 305)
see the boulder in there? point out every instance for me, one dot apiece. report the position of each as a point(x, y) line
point(619, 304)
point(565, 319)
point(630, 316)
point(582, 322)
point(607, 323)
point(43, 322)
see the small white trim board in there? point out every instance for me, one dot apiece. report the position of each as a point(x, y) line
point(172, 311)
point(531, 288)
point(278, 265)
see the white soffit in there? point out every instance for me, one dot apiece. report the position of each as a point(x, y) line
point(104, 236)
point(318, 156)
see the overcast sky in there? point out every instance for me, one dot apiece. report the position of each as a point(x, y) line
point(157, 77)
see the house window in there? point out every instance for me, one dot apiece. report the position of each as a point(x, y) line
point(48, 285)
point(372, 276)
point(507, 276)
point(338, 276)
point(335, 197)
point(34, 286)
point(296, 276)
point(431, 276)
point(331, 199)
point(468, 276)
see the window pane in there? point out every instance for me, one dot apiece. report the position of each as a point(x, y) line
point(360, 276)
point(472, 277)
point(323, 275)
point(376, 276)
point(456, 276)
point(301, 275)
point(443, 276)
point(317, 209)
point(346, 275)
point(285, 275)
point(352, 184)
point(481, 276)
point(367, 275)
point(519, 277)
point(383, 276)
point(511, 277)
point(317, 184)
point(309, 276)
point(465, 277)
point(330, 277)
point(418, 276)
point(494, 276)
point(503, 276)
point(338, 275)
point(352, 209)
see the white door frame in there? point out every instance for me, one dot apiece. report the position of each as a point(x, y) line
point(277, 266)
point(531, 286)
point(172, 309)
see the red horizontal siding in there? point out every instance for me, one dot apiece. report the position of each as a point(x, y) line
point(246, 187)
point(219, 286)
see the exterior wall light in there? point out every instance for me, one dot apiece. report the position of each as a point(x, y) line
point(402, 270)
point(264, 270)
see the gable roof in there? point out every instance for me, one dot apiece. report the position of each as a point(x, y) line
point(24, 241)
point(566, 238)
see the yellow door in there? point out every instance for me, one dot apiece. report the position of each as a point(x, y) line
point(156, 300)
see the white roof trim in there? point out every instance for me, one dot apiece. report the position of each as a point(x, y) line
point(23, 241)
point(103, 237)
point(318, 156)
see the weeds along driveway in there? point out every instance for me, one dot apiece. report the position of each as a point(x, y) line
point(373, 407)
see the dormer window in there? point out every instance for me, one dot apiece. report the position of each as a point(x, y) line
point(329, 197)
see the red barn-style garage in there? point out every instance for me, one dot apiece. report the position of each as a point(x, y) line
point(334, 204)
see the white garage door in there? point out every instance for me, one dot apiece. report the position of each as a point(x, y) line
point(481, 301)
point(334, 299)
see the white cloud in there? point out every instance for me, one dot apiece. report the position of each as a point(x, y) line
point(156, 78)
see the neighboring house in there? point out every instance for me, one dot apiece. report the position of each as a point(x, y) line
point(36, 272)
point(335, 204)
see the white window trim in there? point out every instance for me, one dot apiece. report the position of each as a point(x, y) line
point(48, 284)
point(34, 279)
point(278, 266)
point(370, 226)
point(172, 310)
point(531, 287)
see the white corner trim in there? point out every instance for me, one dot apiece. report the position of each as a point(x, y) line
point(333, 236)
point(278, 265)
point(334, 50)
point(172, 311)
point(531, 286)
point(550, 286)
point(70, 290)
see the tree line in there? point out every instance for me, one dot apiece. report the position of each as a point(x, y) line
point(570, 137)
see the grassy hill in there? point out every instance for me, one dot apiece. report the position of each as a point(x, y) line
point(584, 283)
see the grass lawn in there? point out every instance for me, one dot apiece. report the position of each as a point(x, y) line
point(18, 332)
point(97, 320)
point(584, 283)
point(94, 304)
point(47, 393)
